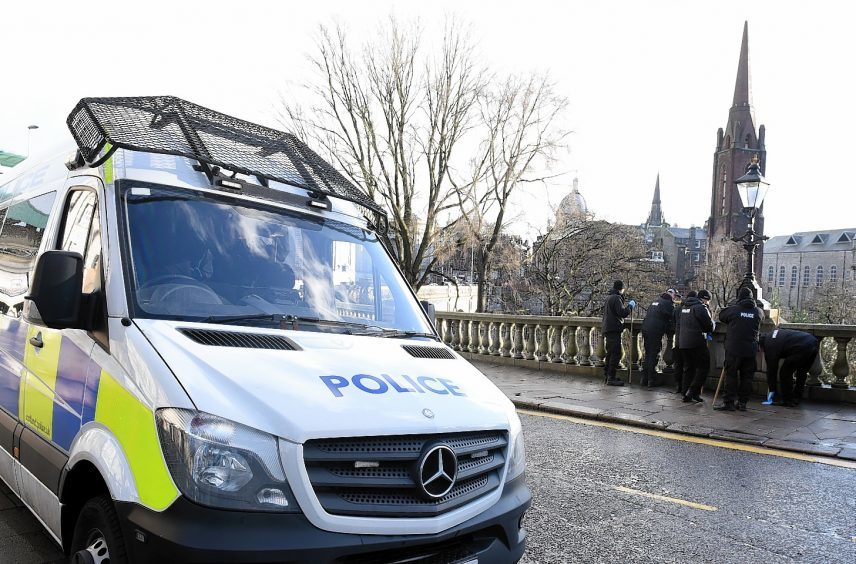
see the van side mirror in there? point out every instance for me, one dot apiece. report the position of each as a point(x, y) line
point(55, 292)
point(430, 311)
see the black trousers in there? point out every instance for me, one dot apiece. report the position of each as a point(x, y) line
point(678, 356)
point(696, 369)
point(653, 344)
point(797, 362)
point(739, 371)
point(613, 353)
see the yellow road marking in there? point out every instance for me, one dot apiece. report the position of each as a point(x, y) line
point(679, 501)
point(698, 440)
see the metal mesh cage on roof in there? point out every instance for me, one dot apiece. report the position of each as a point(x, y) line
point(172, 126)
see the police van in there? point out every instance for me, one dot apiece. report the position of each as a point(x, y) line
point(208, 355)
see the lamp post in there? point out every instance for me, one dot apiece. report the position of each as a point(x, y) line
point(752, 187)
point(30, 129)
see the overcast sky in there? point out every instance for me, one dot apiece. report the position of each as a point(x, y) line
point(649, 83)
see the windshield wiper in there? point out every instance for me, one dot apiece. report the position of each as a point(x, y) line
point(294, 320)
point(396, 334)
point(274, 317)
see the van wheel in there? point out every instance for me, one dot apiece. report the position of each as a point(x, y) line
point(97, 534)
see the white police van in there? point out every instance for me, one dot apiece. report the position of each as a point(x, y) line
point(207, 355)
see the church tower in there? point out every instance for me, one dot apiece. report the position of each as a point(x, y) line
point(655, 217)
point(735, 147)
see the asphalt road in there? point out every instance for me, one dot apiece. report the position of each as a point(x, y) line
point(592, 501)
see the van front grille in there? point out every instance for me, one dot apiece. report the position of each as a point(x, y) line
point(378, 476)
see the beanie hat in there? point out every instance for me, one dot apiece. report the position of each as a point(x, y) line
point(618, 285)
point(704, 295)
point(692, 294)
point(744, 293)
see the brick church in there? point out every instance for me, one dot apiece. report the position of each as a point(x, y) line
point(685, 249)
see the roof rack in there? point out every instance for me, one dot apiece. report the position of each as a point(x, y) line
point(172, 126)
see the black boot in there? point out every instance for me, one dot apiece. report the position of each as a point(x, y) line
point(726, 406)
point(614, 381)
point(741, 406)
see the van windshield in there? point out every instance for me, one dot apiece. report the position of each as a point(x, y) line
point(202, 257)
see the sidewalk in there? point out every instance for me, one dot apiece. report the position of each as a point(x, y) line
point(813, 428)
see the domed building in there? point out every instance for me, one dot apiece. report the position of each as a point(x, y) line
point(573, 206)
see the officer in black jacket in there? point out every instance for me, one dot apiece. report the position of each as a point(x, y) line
point(658, 320)
point(741, 345)
point(696, 325)
point(677, 353)
point(798, 349)
point(614, 312)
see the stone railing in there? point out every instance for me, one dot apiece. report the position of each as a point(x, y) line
point(577, 342)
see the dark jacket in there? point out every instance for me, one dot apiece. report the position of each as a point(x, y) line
point(614, 312)
point(781, 342)
point(744, 326)
point(660, 317)
point(676, 324)
point(695, 321)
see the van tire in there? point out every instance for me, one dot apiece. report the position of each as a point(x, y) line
point(97, 534)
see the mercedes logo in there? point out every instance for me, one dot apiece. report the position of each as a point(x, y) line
point(438, 469)
point(428, 413)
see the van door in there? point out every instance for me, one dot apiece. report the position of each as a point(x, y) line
point(22, 228)
point(57, 363)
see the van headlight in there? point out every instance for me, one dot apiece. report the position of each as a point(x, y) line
point(220, 463)
point(517, 458)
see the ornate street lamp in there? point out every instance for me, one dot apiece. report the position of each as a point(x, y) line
point(752, 187)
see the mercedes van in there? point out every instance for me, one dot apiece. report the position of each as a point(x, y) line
point(207, 354)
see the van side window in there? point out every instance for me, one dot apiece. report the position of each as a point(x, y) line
point(81, 233)
point(21, 232)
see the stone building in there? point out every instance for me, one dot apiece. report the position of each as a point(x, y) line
point(800, 265)
point(682, 249)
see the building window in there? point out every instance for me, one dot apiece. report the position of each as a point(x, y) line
point(781, 276)
point(696, 257)
point(770, 275)
point(819, 276)
point(697, 244)
point(794, 274)
point(657, 256)
point(833, 273)
point(806, 276)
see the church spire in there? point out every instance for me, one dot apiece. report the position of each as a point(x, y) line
point(740, 130)
point(743, 84)
point(656, 215)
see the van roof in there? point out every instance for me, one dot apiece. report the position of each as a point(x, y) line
point(172, 126)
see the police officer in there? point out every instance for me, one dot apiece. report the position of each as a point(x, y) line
point(677, 353)
point(696, 325)
point(614, 312)
point(799, 350)
point(658, 320)
point(741, 345)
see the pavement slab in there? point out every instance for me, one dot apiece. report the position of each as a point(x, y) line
point(826, 429)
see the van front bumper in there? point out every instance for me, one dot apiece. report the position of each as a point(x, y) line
point(187, 532)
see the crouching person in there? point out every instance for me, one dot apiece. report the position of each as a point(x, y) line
point(798, 350)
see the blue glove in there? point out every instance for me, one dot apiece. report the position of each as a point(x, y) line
point(632, 304)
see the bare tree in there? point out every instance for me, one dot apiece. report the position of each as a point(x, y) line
point(521, 119)
point(576, 260)
point(721, 273)
point(392, 119)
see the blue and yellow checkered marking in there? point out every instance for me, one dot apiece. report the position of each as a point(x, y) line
point(63, 389)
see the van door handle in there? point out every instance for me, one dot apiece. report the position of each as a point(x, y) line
point(36, 340)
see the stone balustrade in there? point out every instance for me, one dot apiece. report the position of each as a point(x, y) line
point(575, 344)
